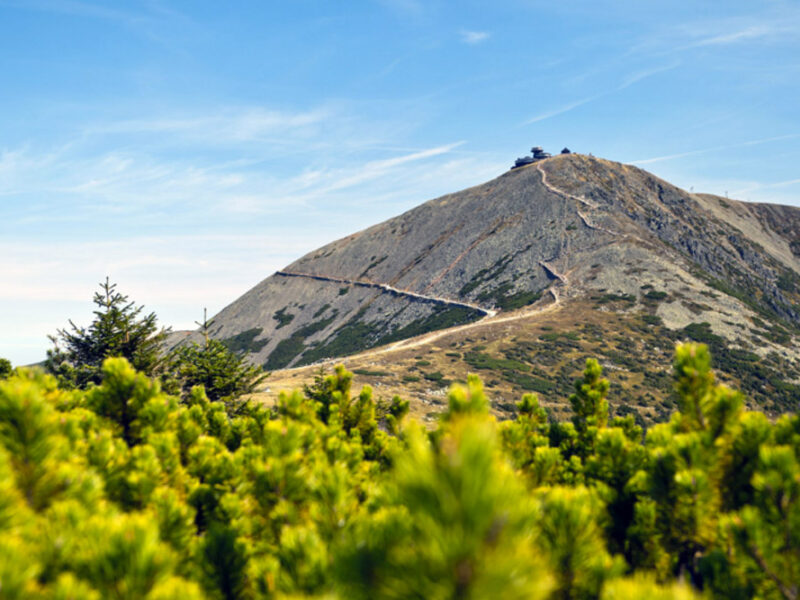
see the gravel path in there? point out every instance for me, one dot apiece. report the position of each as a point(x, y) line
point(393, 290)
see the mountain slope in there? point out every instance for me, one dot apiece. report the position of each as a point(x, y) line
point(544, 351)
point(569, 229)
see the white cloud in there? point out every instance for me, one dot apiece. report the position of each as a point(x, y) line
point(768, 24)
point(647, 161)
point(733, 37)
point(562, 109)
point(183, 221)
point(228, 125)
point(179, 163)
point(757, 186)
point(174, 276)
point(374, 169)
point(640, 75)
point(626, 82)
point(474, 37)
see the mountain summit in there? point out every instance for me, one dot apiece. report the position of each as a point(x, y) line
point(556, 231)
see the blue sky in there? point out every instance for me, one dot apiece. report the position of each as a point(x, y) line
point(188, 149)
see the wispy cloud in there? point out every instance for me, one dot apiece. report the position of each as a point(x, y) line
point(776, 23)
point(474, 37)
point(562, 109)
point(174, 275)
point(232, 124)
point(760, 186)
point(148, 19)
point(226, 168)
point(656, 159)
point(627, 81)
point(76, 8)
point(733, 37)
point(332, 171)
point(176, 170)
point(375, 169)
point(644, 74)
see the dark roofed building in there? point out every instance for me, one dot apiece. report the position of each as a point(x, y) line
point(538, 154)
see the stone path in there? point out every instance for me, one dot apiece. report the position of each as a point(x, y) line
point(488, 312)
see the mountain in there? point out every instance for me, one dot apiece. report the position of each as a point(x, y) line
point(583, 238)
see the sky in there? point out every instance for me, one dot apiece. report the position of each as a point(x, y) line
point(187, 149)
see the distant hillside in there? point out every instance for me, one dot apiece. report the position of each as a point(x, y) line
point(571, 230)
point(545, 350)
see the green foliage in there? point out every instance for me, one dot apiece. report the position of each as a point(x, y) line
point(590, 406)
point(282, 317)
point(371, 373)
point(124, 491)
point(118, 330)
point(568, 531)
point(224, 375)
point(487, 274)
point(441, 318)
point(5, 368)
point(436, 377)
point(755, 375)
point(608, 298)
point(347, 339)
point(655, 295)
point(505, 301)
point(652, 319)
point(453, 523)
point(481, 360)
point(285, 352)
point(245, 341)
point(788, 282)
point(351, 336)
point(642, 587)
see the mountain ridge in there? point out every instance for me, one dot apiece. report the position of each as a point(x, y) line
point(571, 227)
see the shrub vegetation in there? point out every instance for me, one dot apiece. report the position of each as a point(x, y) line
point(123, 491)
point(113, 487)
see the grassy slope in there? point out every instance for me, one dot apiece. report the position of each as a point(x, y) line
point(546, 352)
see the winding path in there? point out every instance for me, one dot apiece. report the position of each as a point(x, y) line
point(427, 338)
point(587, 202)
point(555, 190)
point(490, 316)
point(392, 290)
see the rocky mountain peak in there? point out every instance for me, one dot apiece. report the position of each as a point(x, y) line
point(560, 228)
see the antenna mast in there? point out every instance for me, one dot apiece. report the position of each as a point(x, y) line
point(205, 325)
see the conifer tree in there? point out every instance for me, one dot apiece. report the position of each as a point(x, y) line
point(119, 329)
point(224, 375)
point(589, 401)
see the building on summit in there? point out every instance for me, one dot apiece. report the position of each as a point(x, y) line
point(538, 154)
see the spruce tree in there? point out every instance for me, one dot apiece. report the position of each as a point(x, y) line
point(225, 375)
point(119, 329)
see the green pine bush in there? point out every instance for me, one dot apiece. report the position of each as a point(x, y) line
point(124, 491)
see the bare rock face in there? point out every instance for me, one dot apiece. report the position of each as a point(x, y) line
point(566, 227)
